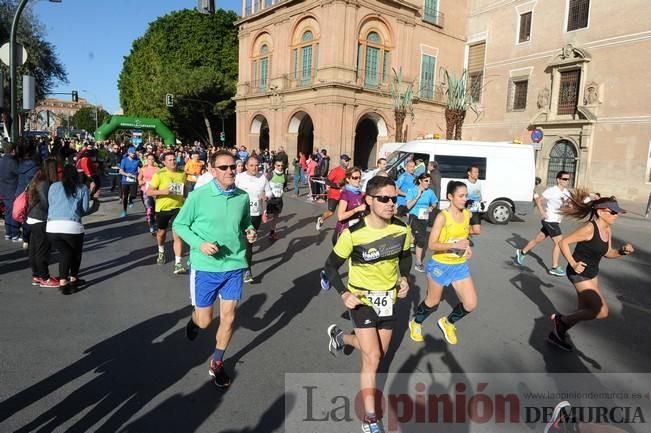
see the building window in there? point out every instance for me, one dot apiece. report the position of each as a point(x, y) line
point(568, 93)
point(376, 60)
point(517, 100)
point(577, 14)
point(305, 58)
point(476, 56)
point(525, 27)
point(427, 68)
point(260, 68)
point(431, 11)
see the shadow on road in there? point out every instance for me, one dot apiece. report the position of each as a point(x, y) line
point(128, 371)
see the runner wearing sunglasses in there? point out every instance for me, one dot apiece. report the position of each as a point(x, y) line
point(216, 222)
point(421, 201)
point(593, 241)
point(379, 261)
point(350, 209)
point(449, 242)
point(554, 198)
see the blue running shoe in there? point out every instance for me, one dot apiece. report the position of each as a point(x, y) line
point(325, 282)
point(519, 257)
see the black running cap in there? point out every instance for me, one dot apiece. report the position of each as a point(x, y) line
point(611, 204)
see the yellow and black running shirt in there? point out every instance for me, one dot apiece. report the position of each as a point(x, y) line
point(373, 254)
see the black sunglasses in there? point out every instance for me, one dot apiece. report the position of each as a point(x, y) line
point(233, 167)
point(564, 178)
point(612, 212)
point(386, 198)
point(355, 177)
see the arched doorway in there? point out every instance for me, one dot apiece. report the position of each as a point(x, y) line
point(562, 157)
point(301, 125)
point(365, 143)
point(263, 143)
point(260, 127)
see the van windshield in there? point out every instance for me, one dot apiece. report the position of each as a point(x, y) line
point(396, 163)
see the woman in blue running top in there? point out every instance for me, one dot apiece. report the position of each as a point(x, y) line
point(593, 241)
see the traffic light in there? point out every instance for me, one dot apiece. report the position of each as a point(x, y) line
point(222, 136)
point(75, 96)
point(169, 100)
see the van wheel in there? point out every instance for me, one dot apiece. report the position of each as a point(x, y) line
point(499, 212)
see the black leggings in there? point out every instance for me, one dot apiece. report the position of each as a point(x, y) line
point(39, 247)
point(129, 192)
point(70, 248)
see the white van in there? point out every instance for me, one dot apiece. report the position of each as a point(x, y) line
point(506, 170)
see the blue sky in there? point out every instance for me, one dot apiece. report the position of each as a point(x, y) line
point(93, 36)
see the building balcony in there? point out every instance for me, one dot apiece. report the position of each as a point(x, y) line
point(301, 78)
point(432, 93)
point(256, 6)
point(432, 16)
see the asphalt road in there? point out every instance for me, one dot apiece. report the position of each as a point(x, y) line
point(113, 357)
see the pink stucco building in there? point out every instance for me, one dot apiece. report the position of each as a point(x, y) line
point(316, 74)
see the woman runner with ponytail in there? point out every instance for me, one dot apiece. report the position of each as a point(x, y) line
point(593, 241)
point(448, 266)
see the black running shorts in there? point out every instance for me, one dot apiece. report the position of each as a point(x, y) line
point(364, 316)
point(275, 205)
point(165, 217)
point(550, 229)
point(418, 230)
point(475, 219)
point(332, 204)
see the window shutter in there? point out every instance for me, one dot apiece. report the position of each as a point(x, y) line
point(428, 64)
point(568, 93)
point(476, 55)
point(294, 62)
point(525, 27)
point(577, 14)
point(385, 67)
point(371, 66)
point(306, 66)
point(264, 63)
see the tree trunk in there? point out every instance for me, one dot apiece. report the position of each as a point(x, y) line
point(450, 122)
point(458, 128)
point(208, 128)
point(400, 120)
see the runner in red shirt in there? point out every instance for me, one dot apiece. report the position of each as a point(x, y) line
point(335, 178)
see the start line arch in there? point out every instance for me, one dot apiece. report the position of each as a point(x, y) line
point(128, 122)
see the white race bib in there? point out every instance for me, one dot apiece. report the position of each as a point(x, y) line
point(254, 205)
point(423, 213)
point(382, 302)
point(130, 179)
point(176, 188)
point(276, 189)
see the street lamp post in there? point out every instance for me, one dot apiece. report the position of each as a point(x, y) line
point(12, 68)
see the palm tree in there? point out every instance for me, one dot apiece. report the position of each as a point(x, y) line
point(402, 104)
point(459, 99)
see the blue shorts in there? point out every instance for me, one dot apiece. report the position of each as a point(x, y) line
point(205, 286)
point(444, 274)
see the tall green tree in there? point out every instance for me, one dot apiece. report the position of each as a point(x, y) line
point(42, 61)
point(84, 118)
point(190, 55)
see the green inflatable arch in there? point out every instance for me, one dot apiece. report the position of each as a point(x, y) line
point(127, 122)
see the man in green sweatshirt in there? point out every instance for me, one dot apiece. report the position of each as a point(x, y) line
point(216, 222)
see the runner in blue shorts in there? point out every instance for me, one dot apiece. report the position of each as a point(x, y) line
point(217, 254)
point(448, 266)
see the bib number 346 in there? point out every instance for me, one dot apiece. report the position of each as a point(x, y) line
point(382, 302)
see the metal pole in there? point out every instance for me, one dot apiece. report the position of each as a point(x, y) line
point(12, 71)
point(648, 207)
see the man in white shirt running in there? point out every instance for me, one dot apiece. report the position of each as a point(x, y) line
point(257, 187)
point(554, 198)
